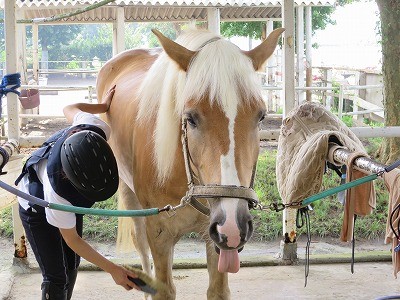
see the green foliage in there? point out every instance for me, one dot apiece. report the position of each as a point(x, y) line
point(321, 17)
point(372, 145)
point(57, 35)
point(246, 29)
point(170, 30)
point(6, 226)
point(348, 120)
point(373, 123)
point(268, 225)
point(73, 65)
point(92, 40)
point(96, 40)
point(101, 228)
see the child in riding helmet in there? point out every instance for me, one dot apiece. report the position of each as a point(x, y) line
point(76, 167)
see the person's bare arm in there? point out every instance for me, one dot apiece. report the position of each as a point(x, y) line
point(94, 108)
point(83, 249)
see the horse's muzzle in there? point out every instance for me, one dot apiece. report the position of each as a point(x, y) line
point(231, 234)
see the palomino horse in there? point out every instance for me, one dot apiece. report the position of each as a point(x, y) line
point(201, 89)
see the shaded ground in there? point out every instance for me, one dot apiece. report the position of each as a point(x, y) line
point(370, 281)
point(265, 280)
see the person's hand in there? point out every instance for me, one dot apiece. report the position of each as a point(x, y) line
point(120, 276)
point(109, 96)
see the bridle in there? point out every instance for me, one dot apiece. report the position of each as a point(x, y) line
point(202, 191)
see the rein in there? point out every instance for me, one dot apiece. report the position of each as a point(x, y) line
point(211, 191)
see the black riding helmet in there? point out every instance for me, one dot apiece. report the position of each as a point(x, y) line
point(90, 165)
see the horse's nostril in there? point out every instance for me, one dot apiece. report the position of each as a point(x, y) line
point(250, 229)
point(214, 235)
point(217, 249)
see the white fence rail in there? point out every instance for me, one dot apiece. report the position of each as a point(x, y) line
point(360, 107)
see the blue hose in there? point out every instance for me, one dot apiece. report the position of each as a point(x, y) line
point(80, 210)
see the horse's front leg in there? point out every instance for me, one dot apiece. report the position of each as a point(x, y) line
point(136, 227)
point(218, 288)
point(162, 249)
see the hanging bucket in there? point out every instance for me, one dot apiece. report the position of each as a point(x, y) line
point(29, 98)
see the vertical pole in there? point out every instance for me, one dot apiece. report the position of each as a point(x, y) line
point(21, 55)
point(10, 30)
point(308, 17)
point(272, 60)
point(35, 52)
point(192, 23)
point(288, 54)
point(270, 70)
point(119, 32)
point(213, 19)
point(341, 100)
point(289, 244)
point(328, 79)
point(300, 52)
point(11, 67)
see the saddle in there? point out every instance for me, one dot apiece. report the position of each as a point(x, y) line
point(303, 148)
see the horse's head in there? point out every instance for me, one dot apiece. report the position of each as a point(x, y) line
point(219, 100)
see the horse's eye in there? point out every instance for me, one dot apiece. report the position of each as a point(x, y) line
point(262, 118)
point(191, 121)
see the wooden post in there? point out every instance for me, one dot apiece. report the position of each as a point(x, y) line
point(288, 244)
point(11, 67)
point(341, 101)
point(288, 55)
point(10, 29)
point(21, 55)
point(35, 51)
point(300, 53)
point(119, 31)
point(270, 70)
point(213, 20)
point(308, 17)
point(328, 83)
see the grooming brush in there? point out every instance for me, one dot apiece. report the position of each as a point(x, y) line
point(145, 282)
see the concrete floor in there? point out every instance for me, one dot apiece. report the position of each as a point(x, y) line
point(333, 281)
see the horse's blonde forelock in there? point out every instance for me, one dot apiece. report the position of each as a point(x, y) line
point(219, 70)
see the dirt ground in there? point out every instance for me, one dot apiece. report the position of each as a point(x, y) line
point(265, 280)
point(370, 281)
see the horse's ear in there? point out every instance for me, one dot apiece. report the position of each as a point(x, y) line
point(260, 54)
point(178, 53)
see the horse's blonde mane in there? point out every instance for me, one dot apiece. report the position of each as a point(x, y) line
point(220, 70)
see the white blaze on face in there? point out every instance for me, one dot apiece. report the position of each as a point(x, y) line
point(229, 176)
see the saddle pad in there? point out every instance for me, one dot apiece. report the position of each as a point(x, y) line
point(303, 149)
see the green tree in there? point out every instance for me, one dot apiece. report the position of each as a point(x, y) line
point(390, 28)
point(57, 35)
point(169, 29)
point(54, 36)
point(92, 40)
point(96, 40)
point(321, 17)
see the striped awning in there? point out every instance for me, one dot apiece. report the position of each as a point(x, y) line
point(159, 10)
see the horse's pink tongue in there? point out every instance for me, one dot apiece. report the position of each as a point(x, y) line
point(228, 261)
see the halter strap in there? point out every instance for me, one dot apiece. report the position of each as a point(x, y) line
point(214, 39)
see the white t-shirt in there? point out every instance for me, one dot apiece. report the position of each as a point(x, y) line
point(59, 218)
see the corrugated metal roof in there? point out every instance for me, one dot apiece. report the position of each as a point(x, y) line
point(159, 10)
